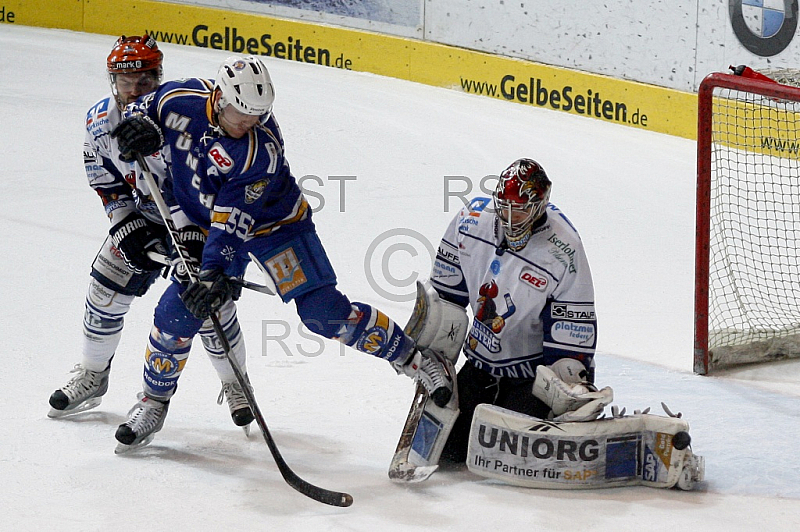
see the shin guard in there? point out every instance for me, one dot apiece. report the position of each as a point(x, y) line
point(163, 363)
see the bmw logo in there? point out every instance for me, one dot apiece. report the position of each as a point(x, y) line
point(765, 27)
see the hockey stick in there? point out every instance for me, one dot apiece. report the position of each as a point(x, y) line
point(263, 288)
point(333, 498)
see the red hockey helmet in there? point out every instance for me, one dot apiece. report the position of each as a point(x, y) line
point(520, 199)
point(135, 54)
point(134, 68)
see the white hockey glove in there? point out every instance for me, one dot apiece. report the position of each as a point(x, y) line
point(566, 393)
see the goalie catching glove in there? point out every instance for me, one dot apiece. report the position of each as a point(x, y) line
point(137, 134)
point(209, 293)
point(134, 237)
point(562, 386)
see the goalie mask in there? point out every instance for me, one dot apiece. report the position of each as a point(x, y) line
point(520, 200)
point(134, 68)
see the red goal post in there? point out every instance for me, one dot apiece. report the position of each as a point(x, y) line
point(747, 271)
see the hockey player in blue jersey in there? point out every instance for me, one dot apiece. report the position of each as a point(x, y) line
point(229, 175)
point(122, 269)
point(519, 264)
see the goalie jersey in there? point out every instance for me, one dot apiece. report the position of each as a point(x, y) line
point(529, 307)
point(236, 189)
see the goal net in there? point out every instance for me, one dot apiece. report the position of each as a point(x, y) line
point(747, 270)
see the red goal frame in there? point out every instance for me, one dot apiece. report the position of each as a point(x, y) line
point(705, 124)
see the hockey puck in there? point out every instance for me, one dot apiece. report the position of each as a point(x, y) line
point(681, 440)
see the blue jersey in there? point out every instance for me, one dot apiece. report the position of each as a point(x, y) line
point(237, 189)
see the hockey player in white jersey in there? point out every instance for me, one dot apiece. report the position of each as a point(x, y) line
point(519, 264)
point(122, 269)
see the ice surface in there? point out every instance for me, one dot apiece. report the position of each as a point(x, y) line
point(337, 414)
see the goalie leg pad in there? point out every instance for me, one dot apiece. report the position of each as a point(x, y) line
point(425, 433)
point(642, 449)
point(437, 324)
point(440, 326)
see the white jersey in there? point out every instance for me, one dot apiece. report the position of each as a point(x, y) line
point(529, 307)
point(114, 180)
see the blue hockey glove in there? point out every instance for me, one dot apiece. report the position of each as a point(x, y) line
point(207, 295)
point(193, 240)
point(137, 134)
point(134, 237)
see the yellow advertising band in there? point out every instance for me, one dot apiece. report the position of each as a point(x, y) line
point(603, 98)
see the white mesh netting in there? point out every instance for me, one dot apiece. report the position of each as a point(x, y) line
point(754, 278)
point(784, 76)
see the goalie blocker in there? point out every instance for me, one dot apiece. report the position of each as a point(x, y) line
point(642, 449)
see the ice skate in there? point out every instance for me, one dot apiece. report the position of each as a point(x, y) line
point(83, 392)
point(237, 403)
point(144, 420)
point(433, 371)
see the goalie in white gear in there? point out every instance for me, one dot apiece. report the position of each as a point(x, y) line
point(122, 269)
point(519, 264)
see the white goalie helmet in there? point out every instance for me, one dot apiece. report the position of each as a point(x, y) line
point(244, 83)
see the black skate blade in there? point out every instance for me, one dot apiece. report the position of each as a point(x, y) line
point(124, 449)
point(83, 407)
